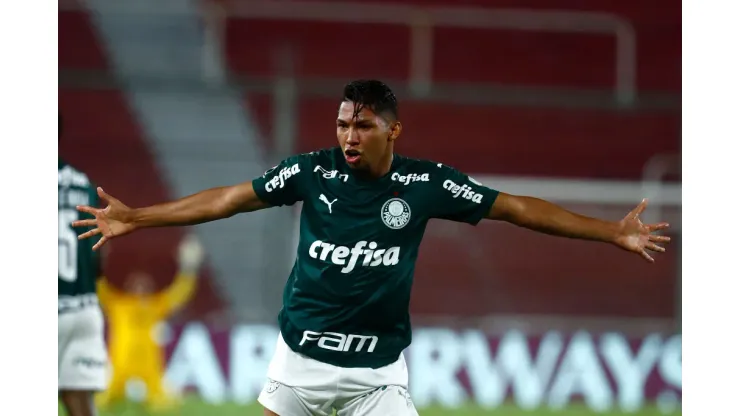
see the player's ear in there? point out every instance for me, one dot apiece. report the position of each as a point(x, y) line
point(395, 131)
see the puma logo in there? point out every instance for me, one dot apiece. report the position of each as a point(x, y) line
point(323, 199)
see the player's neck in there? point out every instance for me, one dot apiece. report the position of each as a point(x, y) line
point(379, 170)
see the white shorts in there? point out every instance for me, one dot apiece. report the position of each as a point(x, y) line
point(83, 360)
point(301, 386)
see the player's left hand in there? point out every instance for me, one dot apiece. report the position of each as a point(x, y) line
point(637, 237)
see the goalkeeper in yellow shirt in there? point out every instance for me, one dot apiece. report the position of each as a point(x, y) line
point(133, 317)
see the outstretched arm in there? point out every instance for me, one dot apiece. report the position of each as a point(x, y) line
point(546, 217)
point(535, 214)
point(209, 205)
point(117, 219)
point(280, 185)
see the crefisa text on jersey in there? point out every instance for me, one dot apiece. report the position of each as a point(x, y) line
point(463, 191)
point(412, 177)
point(372, 256)
point(278, 181)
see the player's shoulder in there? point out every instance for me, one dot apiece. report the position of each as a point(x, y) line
point(441, 177)
point(311, 158)
point(425, 169)
point(326, 159)
point(70, 175)
point(411, 163)
point(303, 164)
point(329, 156)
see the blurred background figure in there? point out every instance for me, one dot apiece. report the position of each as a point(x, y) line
point(135, 315)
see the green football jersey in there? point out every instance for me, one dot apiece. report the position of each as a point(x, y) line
point(346, 301)
point(79, 265)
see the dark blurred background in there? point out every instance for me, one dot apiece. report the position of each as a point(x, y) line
point(578, 102)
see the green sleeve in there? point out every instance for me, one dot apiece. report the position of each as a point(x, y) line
point(460, 198)
point(284, 184)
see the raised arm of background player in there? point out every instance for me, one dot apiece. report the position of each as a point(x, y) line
point(177, 294)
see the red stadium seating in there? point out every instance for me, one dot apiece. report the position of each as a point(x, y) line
point(78, 46)
point(102, 137)
point(466, 55)
point(501, 140)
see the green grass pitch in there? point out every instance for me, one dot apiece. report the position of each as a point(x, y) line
point(192, 406)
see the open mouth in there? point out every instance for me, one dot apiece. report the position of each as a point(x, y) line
point(352, 156)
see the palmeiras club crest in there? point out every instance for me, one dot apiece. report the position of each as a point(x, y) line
point(395, 213)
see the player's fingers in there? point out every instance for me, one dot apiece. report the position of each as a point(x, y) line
point(84, 223)
point(658, 226)
point(659, 238)
point(100, 243)
point(654, 247)
point(646, 256)
point(89, 234)
point(87, 209)
point(104, 196)
point(638, 209)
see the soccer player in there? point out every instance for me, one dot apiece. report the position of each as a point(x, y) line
point(133, 316)
point(82, 355)
point(345, 319)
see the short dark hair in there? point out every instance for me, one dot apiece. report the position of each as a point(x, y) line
point(373, 94)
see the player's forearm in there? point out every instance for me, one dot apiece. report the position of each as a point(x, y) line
point(546, 217)
point(209, 205)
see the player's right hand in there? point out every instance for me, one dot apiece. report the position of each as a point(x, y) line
point(112, 221)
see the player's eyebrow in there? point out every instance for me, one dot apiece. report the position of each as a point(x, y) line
point(357, 121)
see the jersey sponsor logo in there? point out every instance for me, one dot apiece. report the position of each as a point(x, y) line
point(331, 174)
point(370, 254)
point(336, 341)
point(395, 213)
point(412, 177)
point(278, 181)
point(462, 191)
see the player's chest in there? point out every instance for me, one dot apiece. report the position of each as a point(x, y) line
point(387, 211)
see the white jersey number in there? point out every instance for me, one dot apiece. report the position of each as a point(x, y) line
point(67, 246)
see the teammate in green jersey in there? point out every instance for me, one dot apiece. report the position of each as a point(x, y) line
point(345, 320)
point(82, 353)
